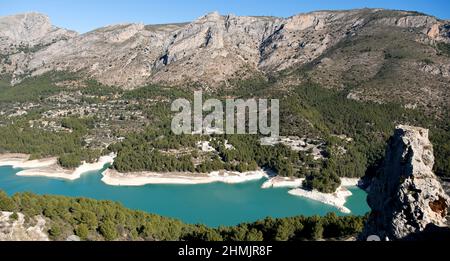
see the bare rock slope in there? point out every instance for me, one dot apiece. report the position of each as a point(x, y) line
point(406, 198)
point(210, 50)
point(31, 29)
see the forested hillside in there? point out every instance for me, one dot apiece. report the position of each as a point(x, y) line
point(106, 220)
point(350, 134)
point(344, 80)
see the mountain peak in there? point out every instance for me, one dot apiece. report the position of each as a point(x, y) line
point(211, 16)
point(24, 27)
point(216, 48)
point(27, 15)
point(29, 28)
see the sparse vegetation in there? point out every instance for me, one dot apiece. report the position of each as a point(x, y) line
point(14, 216)
point(34, 89)
point(444, 48)
point(19, 137)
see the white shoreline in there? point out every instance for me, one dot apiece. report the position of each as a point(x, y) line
point(351, 182)
point(18, 160)
point(289, 182)
point(49, 167)
point(336, 199)
point(115, 178)
point(282, 182)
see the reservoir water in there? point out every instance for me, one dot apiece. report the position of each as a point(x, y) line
point(211, 204)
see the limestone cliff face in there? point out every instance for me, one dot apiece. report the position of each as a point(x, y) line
point(31, 29)
point(210, 50)
point(406, 197)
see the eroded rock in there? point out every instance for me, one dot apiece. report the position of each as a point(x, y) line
point(406, 197)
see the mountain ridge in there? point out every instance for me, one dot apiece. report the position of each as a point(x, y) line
point(362, 48)
point(261, 34)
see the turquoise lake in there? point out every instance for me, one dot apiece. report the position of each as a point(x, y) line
point(211, 204)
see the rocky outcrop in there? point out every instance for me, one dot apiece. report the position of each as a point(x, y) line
point(23, 35)
point(406, 197)
point(211, 50)
point(17, 229)
point(31, 29)
point(440, 31)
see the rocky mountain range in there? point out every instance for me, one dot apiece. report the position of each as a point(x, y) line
point(371, 51)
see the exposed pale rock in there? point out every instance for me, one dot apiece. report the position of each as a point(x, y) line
point(210, 50)
point(336, 199)
point(434, 31)
point(415, 21)
point(32, 29)
point(436, 69)
point(406, 196)
point(20, 230)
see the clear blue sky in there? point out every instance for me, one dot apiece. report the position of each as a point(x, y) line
point(85, 15)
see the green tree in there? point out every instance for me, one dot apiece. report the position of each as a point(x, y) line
point(55, 231)
point(90, 219)
point(254, 235)
point(82, 231)
point(6, 203)
point(108, 229)
point(317, 230)
point(14, 216)
point(285, 230)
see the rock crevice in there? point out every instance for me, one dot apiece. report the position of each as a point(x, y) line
point(211, 49)
point(406, 197)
